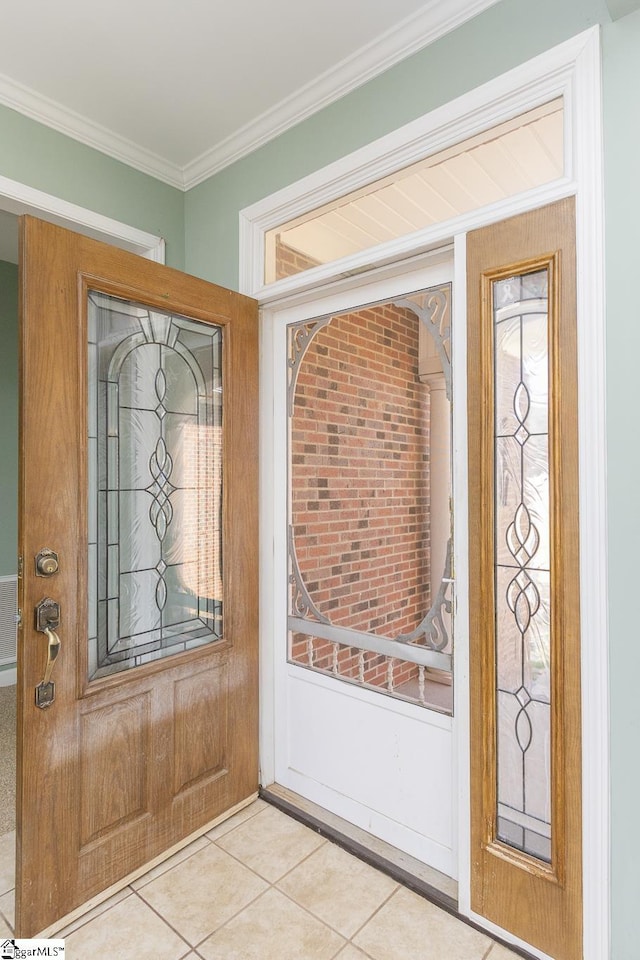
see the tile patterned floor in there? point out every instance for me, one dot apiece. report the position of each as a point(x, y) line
point(263, 887)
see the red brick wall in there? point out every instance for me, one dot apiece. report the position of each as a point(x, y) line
point(290, 261)
point(360, 483)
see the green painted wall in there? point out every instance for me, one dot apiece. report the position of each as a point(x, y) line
point(502, 37)
point(42, 158)
point(8, 418)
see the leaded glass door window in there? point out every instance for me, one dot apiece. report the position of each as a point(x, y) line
point(155, 490)
point(522, 563)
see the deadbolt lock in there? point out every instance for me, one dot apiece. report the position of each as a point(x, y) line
point(46, 563)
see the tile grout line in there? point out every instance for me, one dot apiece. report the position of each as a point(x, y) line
point(255, 872)
point(85, 919)
point(270, 885)
point(229, 919)
point(361, 851)
point(374, 914)
point(313, 915)
point(325, 841)
point(399, 874)
point(81, 922)
point(166, 922)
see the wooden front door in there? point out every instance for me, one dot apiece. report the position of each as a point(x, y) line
point(138, 471)
point(526, 824)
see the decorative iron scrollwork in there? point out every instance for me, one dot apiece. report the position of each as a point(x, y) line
point(301, 603)
point(432, 632)
point(300, 336)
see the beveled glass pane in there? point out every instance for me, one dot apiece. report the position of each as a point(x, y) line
point(155, 484)
point(522, 562)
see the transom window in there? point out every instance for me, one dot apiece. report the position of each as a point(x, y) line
point(500, 162)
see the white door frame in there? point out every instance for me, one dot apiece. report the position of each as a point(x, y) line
point(571, 70)
point(19, 198)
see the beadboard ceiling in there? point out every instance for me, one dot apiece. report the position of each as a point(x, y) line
point(180, 90)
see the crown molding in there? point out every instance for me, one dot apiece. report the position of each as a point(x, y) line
point(412, 34)
point(58, 117)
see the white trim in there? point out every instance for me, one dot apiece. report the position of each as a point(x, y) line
point(55, 115)
point(572, 69)
point(547, 76)
point(593, 503)
point(268, 546)
point(18, 198)
point(495, 930)
point(460, 483)
point(412, 34)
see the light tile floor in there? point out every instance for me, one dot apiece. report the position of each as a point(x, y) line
point(259, 887)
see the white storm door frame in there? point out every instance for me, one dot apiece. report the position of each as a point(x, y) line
point(424, 729)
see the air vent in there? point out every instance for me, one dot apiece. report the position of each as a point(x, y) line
point(8, 625)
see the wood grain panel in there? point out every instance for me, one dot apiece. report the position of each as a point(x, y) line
point(540, 903)
point(200, 705)
point(114, 745)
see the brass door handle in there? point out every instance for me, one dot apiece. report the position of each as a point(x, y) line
point(48, 617)
point(52, 653)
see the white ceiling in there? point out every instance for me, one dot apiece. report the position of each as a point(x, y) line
point(180, 89)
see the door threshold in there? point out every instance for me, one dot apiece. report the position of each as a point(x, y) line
point(434, 886)
point(412, 873)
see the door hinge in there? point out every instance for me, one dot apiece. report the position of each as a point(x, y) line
point(20, 567)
